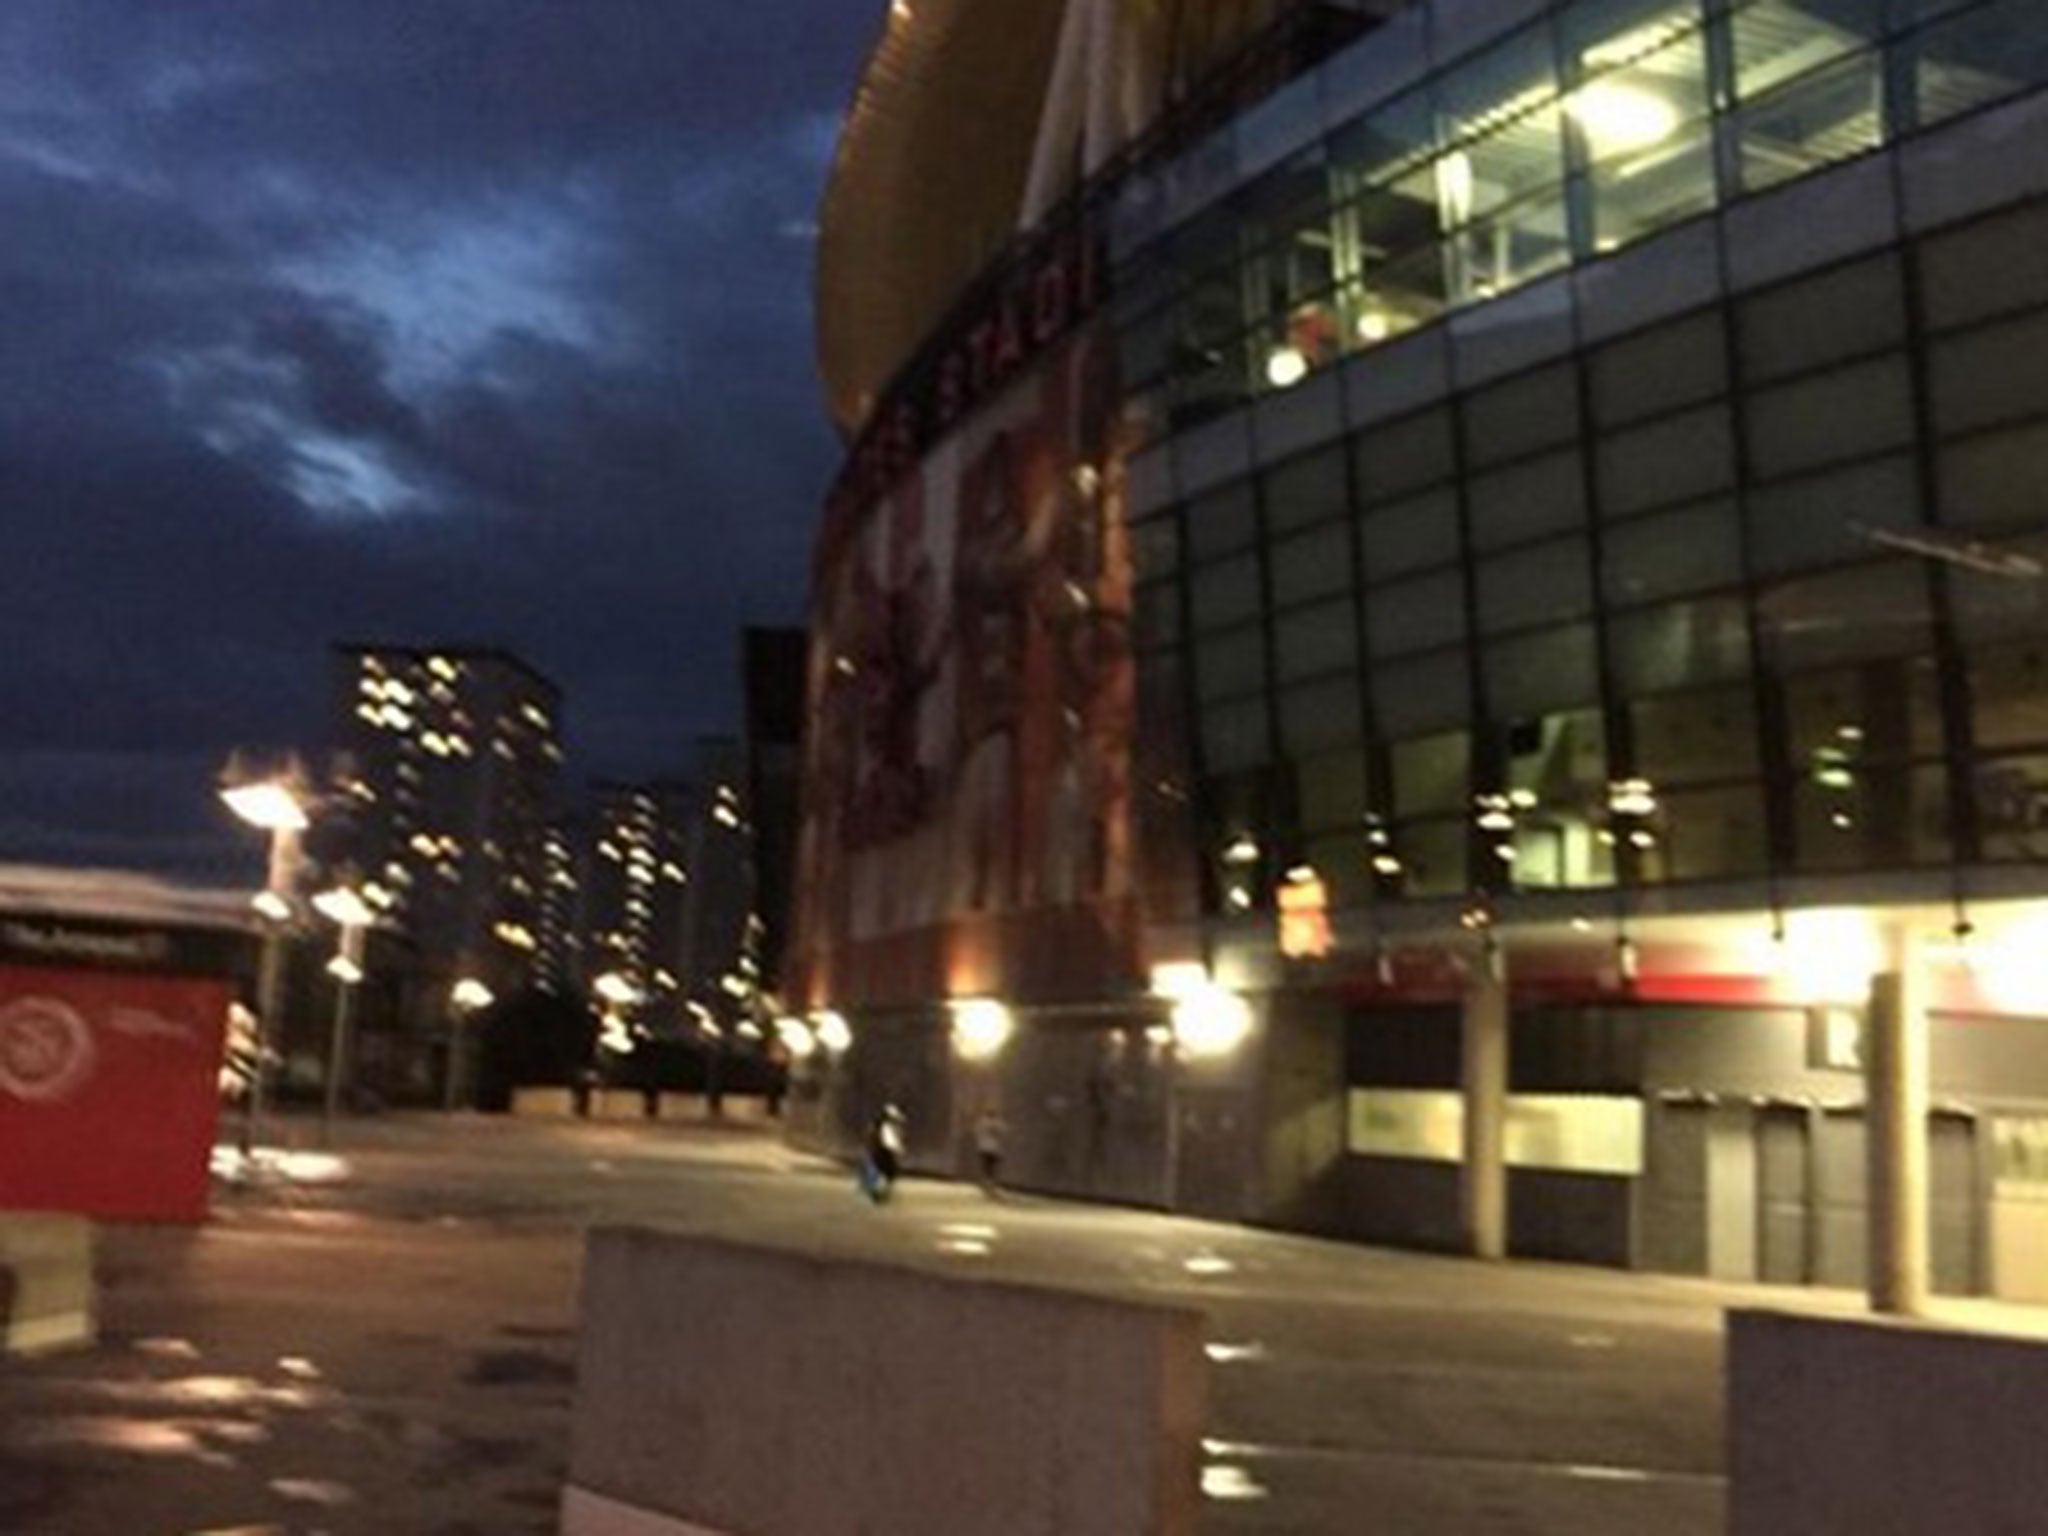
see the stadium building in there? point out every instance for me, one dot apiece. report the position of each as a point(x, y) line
point(1433, 629)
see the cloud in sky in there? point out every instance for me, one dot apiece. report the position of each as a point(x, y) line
point(477, 320)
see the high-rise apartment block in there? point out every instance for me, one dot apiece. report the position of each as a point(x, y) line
point(634, 895)
point(447, 759)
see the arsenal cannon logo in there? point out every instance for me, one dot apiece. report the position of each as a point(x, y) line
point(46, 1050)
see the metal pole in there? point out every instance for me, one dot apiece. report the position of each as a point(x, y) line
point(344, 1014)
point(1483, 1189)
point(270, 976)
point(451, 1075)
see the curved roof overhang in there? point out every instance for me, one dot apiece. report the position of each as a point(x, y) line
point(927, 182)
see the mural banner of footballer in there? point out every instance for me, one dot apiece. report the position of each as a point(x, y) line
point(967, 781)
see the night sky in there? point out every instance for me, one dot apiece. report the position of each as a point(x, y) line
point(483, 321)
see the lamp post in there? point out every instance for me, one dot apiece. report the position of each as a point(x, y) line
point(278, 806)
point(468, 996)
point(345, 907)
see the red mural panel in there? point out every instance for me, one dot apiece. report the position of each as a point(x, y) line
point(967, 810)
point(109, 1092)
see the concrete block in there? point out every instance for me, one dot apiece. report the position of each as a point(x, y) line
point(48, 1296)
point(728, 1389)
point(1883, 1428)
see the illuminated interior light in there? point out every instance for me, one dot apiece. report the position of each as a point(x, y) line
point(1211, 1021)
point(1619, 119)
point(344, 970)
point(1375, 325)
point(833, 1032)
point(1286, 367)
point(1241, 851)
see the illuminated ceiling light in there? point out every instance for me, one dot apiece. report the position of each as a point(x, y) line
point(344, 970)
point(1522, 799)
point(1241, 851)
point(1286, 367)
point(1619, 119)
point(796, 1038)
point(1375, 325)
point(981, 1027)
point(1386, 864)
point(1632, 797)
point(615, 989)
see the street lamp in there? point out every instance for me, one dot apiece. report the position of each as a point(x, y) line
point(279, 805)
point(468, 996)
point(343, 906)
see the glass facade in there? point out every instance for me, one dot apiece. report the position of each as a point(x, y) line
point(1637, 615)
point(1583, 133)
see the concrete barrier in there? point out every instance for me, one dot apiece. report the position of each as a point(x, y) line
point(631, 1104)
point(1883, 1428)
point(724, 1389)
point(48, 1297)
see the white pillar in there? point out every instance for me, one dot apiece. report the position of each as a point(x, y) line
point(1895, 1069)
point(1483, 1177)
point(1060, 123)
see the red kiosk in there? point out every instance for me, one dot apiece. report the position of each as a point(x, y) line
point(114, 993)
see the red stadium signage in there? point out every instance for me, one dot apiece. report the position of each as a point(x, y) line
point(994, 338)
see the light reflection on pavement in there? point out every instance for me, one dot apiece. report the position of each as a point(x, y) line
point(390, 1354)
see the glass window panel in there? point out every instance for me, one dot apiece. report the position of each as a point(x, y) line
point(1387, 144)
point(1874, 610)
point(1225, 594)
point(1679, 645)
point(1886, 817)
point(1820, 320)
point(1671, 553)
point(1680, 458)
point(1500, 251)
point(1230, 664)
point(1306, 490)
point(1234, 735)
point(1546, 584)
point(1994, 375)
point(1156, 615)
point(1995, 479)
point(1330, 790)
point(1880, 711)
point(1315, 564)
point(1979, 57)
point(1686, 737)
point(2012, 807)
point(1314, 716)
point(1986, 268)
point(1501, 110)
point(1432, 855)
point(1813, 521)
point(1538, 673)
point(2009, 694)
point(1715, 834)
point(1659, 370)
point(1399, 290)
point(1422, 694)
point(1155, 546)
point(1346, 874)
point(1558, 764)
point(1416, 615)
point(1825, 116)
point(1528, 500)
point(1991, 607)
point(1634, 195)
point(1846, 414)
point(1405, 455)
point(1508, 421)
point(1222, 521)
point(1309, 641)
point(1774, 41)
point(1411, 535)
point(1432, 774)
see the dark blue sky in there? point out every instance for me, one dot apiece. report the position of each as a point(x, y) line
point(478, 320)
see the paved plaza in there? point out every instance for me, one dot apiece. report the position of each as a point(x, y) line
point(392, 1352)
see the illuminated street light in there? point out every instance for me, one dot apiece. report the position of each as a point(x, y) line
point(275, 805)
point(470, 994)
point(466, 997)
point(343, 906)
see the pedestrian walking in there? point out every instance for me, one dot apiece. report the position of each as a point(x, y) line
point(882, 1160)
point(990, 1132)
